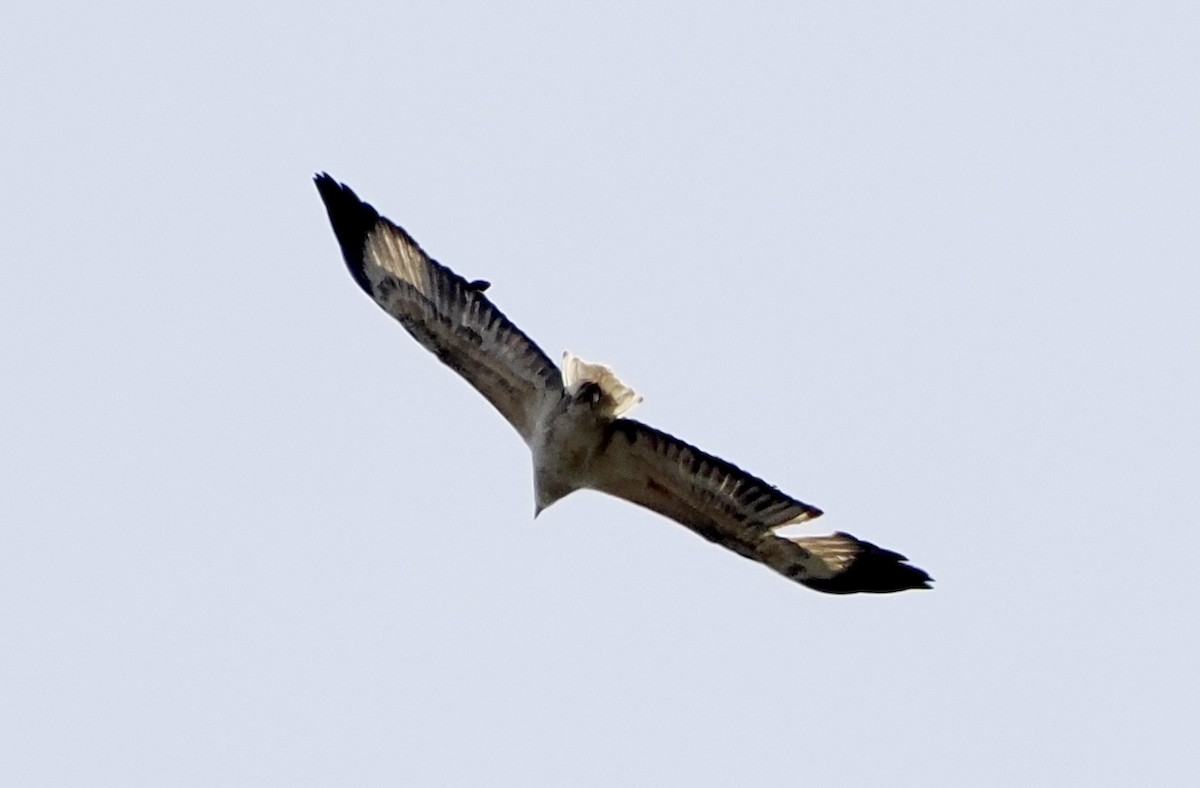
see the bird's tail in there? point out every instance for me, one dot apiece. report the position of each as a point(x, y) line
point(576, 372)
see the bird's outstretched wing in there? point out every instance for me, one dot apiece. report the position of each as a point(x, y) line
point(447, 314)
point(737, 510)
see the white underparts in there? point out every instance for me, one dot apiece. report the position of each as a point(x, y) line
point(576, 372)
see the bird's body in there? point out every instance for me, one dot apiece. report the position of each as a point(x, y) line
point(571, 433)
point(568, 439)
point(573, 419)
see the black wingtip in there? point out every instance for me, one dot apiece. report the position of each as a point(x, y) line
point(874, 571)
point(352, 221)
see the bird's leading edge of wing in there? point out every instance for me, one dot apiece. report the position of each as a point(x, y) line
point(444, 312)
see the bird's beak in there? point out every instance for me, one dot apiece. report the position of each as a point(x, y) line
point(537, 509)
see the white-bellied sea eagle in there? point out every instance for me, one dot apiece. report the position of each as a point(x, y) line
point(573, 419)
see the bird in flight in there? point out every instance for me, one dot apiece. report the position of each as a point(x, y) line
point(573, 420)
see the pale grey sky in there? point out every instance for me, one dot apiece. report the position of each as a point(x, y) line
point(932, 268)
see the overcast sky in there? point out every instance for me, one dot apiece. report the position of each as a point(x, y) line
point(931, 267)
